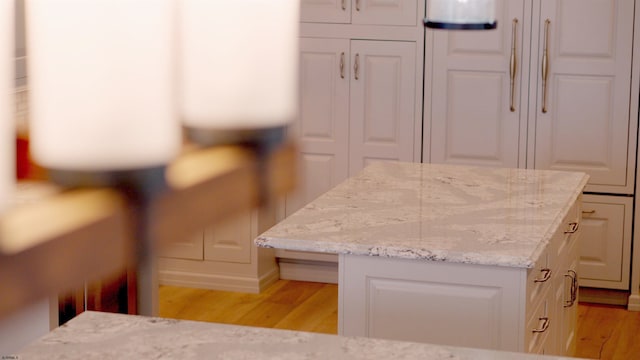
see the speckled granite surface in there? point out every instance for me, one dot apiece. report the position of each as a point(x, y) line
point(94, 335)
point(478, 215)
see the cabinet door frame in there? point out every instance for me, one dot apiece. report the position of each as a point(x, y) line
point(446, 59)
point(543, 127)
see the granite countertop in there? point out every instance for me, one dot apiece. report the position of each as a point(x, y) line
point(94, 335)
point(464, 214)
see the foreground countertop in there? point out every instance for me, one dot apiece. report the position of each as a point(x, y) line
point(463, 214)
point(94, 335)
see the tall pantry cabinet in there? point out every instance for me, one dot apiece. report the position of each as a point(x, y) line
point(360, 101)
point(554, 87)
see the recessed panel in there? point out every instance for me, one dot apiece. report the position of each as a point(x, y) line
point(474, 116)
point(411, 311)
point(582, 109)
point(317, 82)
point(382, 104)
point(601, 241)
point(587, 28)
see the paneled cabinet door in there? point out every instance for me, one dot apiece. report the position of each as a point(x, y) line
point(230, 241)
point(605, 243)
point(322, 128)
point(477, 110)
point(382, 93)
point(582, 109)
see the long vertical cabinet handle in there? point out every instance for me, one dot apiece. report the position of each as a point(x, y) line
point(356, 67)
point(357, 5)
point(513, 63)
point(545, 65)
point(342, 65)
point(344, 4)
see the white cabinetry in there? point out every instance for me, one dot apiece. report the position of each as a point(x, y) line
point(569, 102)
point(505, 308)
point(222, 257)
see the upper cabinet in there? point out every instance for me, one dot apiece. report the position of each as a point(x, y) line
point(549, 89)
point(360, 12)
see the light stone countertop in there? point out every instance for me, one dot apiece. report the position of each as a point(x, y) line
point(463, 214)
point(94, 335)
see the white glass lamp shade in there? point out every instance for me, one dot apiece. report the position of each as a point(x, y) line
point(7, 128)
point(461, 14)
point(239, 63)
point(101, 77)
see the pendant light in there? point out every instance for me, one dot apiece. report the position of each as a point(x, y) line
point(101, 84)
point(7, 129)
point(461, 14)
point(238, 69)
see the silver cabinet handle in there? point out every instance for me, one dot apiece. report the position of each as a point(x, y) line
point(573, 227)
point(588, 212)
point(344, 4)
point(356, 67)
point(574, 288)
point(544, 327)
point(545, 65)
point(342, 65)
point(513, 63)
point(357, 5)
point(546, 275)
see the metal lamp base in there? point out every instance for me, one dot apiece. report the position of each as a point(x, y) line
point(460, 26)
point(266, 138)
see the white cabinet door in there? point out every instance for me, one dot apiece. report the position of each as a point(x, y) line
point(383, 86)
point(325, 11)
point(230, 241)
point(605, 242)
point(476, 116)
point(323, 125)
point(190, 248)
point(582, 112)
point(384, 12)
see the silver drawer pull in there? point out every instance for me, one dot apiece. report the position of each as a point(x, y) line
point(546, 275)
point(588, 212)
point(544, 327)
point(574, 288)
point(573, 227)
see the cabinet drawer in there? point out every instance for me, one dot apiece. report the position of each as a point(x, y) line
point(360, 12)
point(538, 328)
point(605, 242)
point(567, 234)
point(538, 279)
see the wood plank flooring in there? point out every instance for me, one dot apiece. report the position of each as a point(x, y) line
point(604, 332)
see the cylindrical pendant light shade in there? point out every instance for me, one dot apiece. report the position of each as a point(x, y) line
point(7, 106)
point(101, 77)
point(461, 14)
point(239, 63)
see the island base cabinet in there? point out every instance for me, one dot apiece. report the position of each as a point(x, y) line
point(433, 302)
point(480, 306)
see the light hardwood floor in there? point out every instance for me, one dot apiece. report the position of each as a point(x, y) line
point(604, 332)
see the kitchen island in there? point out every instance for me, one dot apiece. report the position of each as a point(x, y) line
point(93, 335)
point(457, 255)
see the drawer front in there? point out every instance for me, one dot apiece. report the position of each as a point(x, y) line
point(539, 326)
point(539, 279)
point(605, 242)
point(567, 234)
